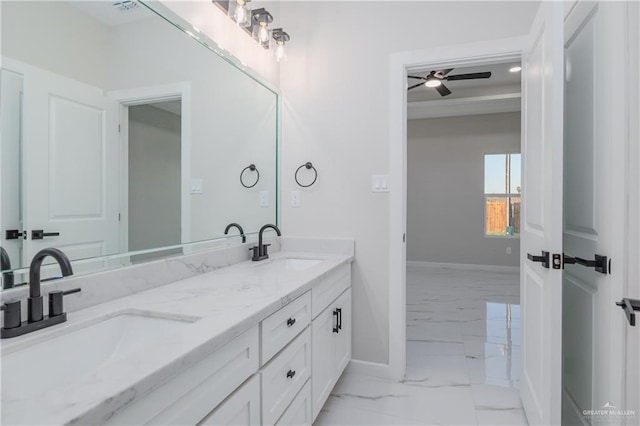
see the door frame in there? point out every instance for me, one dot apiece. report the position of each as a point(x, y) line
point(147, 95)
point(478, 53)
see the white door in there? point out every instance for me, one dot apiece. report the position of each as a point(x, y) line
point(10, 182)
point(594, 211)
point(71, 157)
point(540, 286)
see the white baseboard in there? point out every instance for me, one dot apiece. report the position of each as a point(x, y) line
point(463, 266)
point(367, 368)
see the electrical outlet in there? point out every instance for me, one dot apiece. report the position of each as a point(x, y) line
point(295, 198)
point(508, 250)
point(264, 198)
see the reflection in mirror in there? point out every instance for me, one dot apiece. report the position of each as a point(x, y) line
point(122, 133)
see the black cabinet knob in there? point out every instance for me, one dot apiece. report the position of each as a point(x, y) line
point(290, 322)
point(290, 374)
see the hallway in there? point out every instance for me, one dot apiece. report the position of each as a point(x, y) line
point(463, 354)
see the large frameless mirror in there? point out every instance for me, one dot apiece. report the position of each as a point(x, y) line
point(125, 132)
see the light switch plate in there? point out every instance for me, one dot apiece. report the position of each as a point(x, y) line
point(264, 198)
point(379, 183)
point(197, 186)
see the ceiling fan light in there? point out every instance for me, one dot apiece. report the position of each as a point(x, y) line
point(515, 69)
point(433, 82)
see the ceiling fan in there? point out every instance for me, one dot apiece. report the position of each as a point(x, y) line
point(435, 79)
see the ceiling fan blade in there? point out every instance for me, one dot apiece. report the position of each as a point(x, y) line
point(415, 76)
point(472, 76)
point(415, 85)
point(442, 89)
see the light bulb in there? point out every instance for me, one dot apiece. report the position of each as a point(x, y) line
point(433, 82)
point(263, 33)
point(240, 14)
point(280, 52)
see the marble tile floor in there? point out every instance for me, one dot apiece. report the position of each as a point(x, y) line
point(463, 354)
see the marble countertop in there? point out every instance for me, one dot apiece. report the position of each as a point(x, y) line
point(225, 302)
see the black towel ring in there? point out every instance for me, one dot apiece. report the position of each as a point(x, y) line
point(253, 168)
point(308, 166)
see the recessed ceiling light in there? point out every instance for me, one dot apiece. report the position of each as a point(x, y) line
point(515, 69)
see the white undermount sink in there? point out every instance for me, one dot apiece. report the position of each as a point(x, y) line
point(70, 356)
point(294, 264)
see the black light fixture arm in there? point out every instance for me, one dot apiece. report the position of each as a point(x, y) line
point(235, 225)
point(253, 168)
point(307, 166)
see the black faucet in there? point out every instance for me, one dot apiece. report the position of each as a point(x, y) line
point(235, 225)
point(260, 251)
point(34, 302)
point(13, 326)
point(5, 266)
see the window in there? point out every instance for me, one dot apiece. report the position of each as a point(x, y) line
point(502, 194)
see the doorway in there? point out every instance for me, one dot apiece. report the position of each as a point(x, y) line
point(463, 247)
point(154, 184)
point(542, 265)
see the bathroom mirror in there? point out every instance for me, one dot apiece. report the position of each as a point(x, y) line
point(123, 131)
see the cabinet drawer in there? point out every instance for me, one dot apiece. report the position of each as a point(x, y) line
point(299, 412)
point(282, 326)
point(190, 396)
point(330, 288)
point(284, 375)
point(241, 408)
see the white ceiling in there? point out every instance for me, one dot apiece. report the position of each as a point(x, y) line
point(501, 81)
point(499, 93)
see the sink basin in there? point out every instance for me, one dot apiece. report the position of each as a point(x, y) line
point(68, 357)
point(295, 264)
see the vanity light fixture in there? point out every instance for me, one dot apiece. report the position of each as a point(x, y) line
point(280, 38)
point(261, 20)
point(240, 12)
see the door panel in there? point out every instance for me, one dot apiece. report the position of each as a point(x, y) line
point(10, 159)
point(541, 288)
point(594, 209)
point(76, 132)
point(71, 179)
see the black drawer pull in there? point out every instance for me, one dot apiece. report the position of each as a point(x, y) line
point(339, 318)
point(290, 374)
point(336, 327)
point(290, 322)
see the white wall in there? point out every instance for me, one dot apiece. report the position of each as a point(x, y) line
point(212, 21)
point(336, 108)
point(233, 122)
point(445, 188)
point(58, 38)
point(154, 178)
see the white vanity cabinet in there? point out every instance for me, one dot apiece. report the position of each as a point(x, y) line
point(279, 372)
point(331, 343)
point(242, 408)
